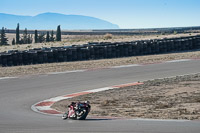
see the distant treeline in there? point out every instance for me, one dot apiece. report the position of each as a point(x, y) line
point(27, 37)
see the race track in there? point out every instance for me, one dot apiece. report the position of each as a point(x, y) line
point(18, 94)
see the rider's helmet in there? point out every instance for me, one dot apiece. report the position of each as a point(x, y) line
point(87, 102)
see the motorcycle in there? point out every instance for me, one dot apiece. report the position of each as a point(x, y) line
point(77, 112)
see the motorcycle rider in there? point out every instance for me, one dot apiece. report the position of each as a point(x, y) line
point(72, 104)
point(77, 109)
point(78, 105)
point(82, 104)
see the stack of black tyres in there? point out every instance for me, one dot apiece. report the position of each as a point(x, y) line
point(102, 50)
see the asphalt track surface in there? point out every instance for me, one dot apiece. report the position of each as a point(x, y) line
point(17, 96)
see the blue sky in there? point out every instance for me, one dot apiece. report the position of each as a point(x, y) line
point(125, 13)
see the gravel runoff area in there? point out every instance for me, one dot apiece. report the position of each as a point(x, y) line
point(79, 65)
point(168, 98)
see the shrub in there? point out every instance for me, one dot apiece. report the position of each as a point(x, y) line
point(108, 36)
point(175, 32)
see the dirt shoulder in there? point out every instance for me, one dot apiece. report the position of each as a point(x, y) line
point(169, 98)
point(68, 66)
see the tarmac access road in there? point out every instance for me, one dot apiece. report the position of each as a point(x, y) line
point(18, 94)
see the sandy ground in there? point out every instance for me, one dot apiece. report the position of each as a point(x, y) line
point(67, 66)
point(170, 98)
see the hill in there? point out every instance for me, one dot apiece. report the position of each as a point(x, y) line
point(52, 20)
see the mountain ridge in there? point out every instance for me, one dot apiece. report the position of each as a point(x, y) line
point(49, 20)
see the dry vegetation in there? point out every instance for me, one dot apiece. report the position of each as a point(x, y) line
point(68, 40)
point(170, 98)
point(108, 36)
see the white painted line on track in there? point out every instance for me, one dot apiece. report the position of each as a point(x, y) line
point(100, 89)
point(67, 72)
point(182, 60)
point(44, 108)
point(166, 120)
point(55, 99)
point(124, 66)
point(39, 109)
point(1, 78)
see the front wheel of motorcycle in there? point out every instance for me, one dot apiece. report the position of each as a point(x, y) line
point(65, 116)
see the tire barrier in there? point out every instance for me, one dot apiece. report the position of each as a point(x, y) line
point(101, 50)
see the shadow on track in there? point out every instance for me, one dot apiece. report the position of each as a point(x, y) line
point(97, 119)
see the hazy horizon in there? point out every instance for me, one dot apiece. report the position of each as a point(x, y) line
point(127, 14)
